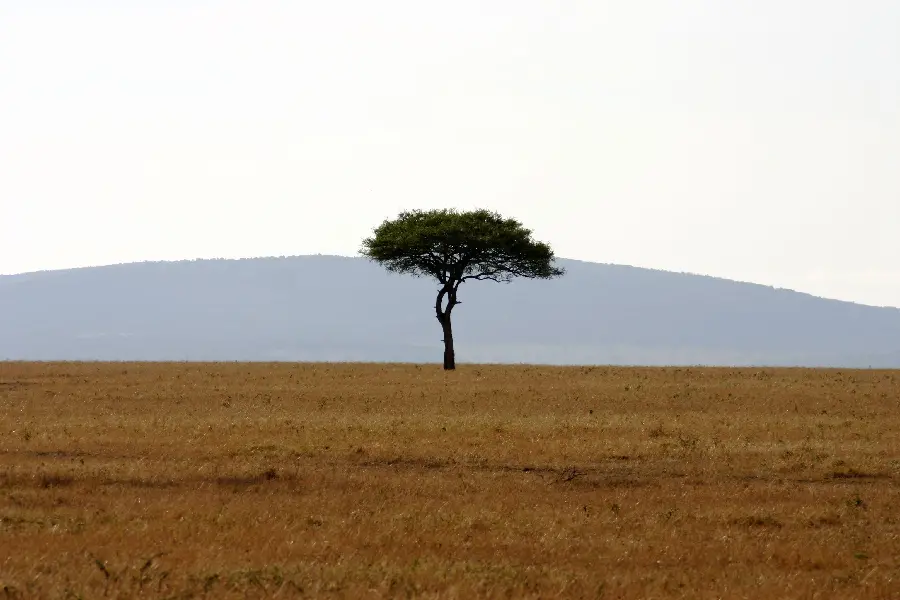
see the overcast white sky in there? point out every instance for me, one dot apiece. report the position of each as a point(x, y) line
point(757, 140)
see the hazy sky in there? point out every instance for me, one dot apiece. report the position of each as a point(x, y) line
point(752, 139)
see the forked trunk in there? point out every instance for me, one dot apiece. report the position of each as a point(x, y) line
point(449, 354)
point(443, 316)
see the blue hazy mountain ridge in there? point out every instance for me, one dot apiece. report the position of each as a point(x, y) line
point(328, 308)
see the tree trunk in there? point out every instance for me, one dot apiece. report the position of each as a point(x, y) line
point(449, 354)
point(443, 316)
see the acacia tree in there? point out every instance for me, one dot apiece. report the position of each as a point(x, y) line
point(454, 247)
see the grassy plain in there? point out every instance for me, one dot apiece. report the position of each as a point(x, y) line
point(365, 481)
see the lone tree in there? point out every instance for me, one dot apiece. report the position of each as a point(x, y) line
point(454, 247)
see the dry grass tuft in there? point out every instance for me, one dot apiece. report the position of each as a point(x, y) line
point(124, 480)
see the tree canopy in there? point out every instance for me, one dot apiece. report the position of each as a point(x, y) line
point(456, 246)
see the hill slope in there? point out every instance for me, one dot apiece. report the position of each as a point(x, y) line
point(337, 308)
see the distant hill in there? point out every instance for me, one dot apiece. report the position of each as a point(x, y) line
point(329, 308)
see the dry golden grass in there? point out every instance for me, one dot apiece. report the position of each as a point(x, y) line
point(357, 481)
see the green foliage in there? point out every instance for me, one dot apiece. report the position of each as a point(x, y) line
point(456, 246)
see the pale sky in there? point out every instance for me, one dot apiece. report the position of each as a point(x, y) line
point(756, 140)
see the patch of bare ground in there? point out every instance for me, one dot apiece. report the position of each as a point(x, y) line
point(366, 481)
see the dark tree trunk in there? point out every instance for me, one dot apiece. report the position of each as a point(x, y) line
point(443, 316)
point(449, 353)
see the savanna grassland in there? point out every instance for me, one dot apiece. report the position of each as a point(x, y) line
point(365, 481)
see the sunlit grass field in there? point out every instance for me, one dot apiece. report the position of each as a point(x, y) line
point(185, 480)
